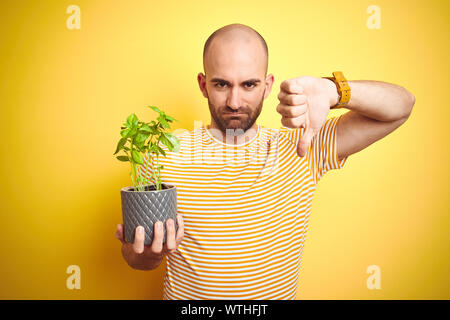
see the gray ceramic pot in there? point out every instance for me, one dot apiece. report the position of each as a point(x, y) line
point(144, 208)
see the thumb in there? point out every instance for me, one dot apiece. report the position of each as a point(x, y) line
point(304, 142)
point(119, 233)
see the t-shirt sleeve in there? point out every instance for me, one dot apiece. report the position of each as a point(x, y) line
point(322, 153)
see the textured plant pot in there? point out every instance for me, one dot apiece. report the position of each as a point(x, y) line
point(144, 208)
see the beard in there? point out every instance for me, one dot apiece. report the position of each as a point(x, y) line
point(238, 123)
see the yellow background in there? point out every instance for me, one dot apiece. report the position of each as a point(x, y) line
point(64, 94)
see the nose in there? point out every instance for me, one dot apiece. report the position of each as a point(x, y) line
point(233, 99)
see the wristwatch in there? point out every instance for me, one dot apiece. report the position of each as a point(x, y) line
point(343, 89)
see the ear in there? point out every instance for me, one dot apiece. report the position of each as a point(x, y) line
point(268, 84)
point(201, 78)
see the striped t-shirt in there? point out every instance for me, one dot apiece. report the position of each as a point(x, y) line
point(245, 208)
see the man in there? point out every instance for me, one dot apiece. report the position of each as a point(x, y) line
point(245, 216)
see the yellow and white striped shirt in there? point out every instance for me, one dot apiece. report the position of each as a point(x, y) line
point(246, 210)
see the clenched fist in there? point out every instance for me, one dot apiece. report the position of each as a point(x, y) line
point(305, 103)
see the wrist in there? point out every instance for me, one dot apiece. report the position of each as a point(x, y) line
point(145, 263)
point(331, 92)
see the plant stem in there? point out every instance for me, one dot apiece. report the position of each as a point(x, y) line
point(157, 166)
point(152, 168)
point(133, 167)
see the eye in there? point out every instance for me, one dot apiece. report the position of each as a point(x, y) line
point(249, 85)
point(220, 84)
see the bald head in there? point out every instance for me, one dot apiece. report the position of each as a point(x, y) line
point(236, 36)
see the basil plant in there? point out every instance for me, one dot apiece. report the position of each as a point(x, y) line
point(139, 138)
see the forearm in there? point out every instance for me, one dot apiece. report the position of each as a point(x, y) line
point(376, 99)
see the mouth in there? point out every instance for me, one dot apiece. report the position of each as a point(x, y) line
point(234, 114)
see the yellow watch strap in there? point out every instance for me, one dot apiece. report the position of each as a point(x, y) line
point(342, 87)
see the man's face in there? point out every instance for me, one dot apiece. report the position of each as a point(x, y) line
point(235, 83)
point(227, 117)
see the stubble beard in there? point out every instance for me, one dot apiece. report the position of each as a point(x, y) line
point(235, 126)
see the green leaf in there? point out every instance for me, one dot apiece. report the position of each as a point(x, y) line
point(161, 150)
point(124, 133)
point(145, 128)
point(141, 137)
point(170, 119)
point(132, 132)
point(123, 158)
point(163, 122)
point(155, 109)
point(155, 130)
point(139, 140)
point(173, 140)
point(141, 148)
point(127, 133)
point(137, 157)
point(153, 148)
point(132, 120)
point(166, 141)
point(120, 145)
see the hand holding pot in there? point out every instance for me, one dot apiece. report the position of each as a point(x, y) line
point(148, 257)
